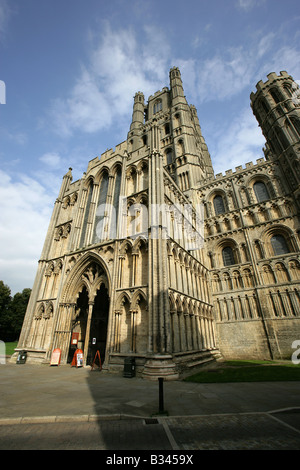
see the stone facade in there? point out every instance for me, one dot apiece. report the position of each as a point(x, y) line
point(151, 256)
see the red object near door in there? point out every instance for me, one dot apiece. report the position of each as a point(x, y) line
point(77, 358)
point(74, 339)
point(55, 357)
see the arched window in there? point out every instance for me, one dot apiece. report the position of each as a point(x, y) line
point(100, 210)
point(279, 245)
point(180, 148)
point(117, 188)
point(288, 90)
point(265, 106)
point(276, 95)
point(283, 138)
point(157, 106)
point(228, 256)
point(169, 155)
point(219, 205)
point(261, 191)
point(296, 123)
point(273, 141)
point(86, 213)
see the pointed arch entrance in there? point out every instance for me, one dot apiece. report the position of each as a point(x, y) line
point(88, 291)
point(99, 324)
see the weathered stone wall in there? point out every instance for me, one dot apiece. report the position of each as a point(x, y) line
point(248, 340)
point(243, 340)
point(283, 332)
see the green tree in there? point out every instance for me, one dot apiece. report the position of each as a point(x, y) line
point(5, 300)
point(12, 312)
point(17, 310)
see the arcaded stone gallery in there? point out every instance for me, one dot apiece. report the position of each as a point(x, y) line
point(152, 256)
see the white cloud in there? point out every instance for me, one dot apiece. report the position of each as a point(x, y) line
point(26, 208)
point(119, 66)
point(237, 69)
point(5, 13)
point(247, 5)
point(241, 142)
point(285, 58)
point(219, 77)
point(52, 160)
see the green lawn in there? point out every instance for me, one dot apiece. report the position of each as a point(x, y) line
point(248, 371)
point(9, 348)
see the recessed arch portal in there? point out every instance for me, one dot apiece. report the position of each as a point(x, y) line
point(88, 290)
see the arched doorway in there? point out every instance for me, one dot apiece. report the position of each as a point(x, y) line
point(79, 323)
point(98, 329)
point(90, 319)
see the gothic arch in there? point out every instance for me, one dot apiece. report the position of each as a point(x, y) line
point(172, 302)
point(99, 175)
point(123, 297)
point(40, 311)
point(143, 172)
point(139, 243)
point(131, 177)
point(169, 247)
point(89, 182)
point(125, 245)
point(76, 279)
point(142, 199)
point(49, 269)
point(115, 168)
point(137, 297)
point(48, 313)
point(178, 303)
point(185, 305)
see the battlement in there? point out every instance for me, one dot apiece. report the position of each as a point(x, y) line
point(272, 77)
point(174, 69)
point(239, 169)
point(157, 93)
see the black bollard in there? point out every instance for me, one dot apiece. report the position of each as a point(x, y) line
point(161, 394)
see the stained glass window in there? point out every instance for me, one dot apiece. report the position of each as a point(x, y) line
point(228, 256)
point(219, 205)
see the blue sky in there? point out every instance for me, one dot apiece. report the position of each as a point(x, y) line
point(72, 67)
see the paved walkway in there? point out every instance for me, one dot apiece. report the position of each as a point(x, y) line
point(43, 407)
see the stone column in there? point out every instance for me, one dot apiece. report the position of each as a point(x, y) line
point(133, 314)
point(87, 332)
point(194, 332)
point(117, 326)
point(175, 331)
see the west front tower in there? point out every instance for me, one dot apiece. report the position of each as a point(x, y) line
point(123, 268)
point(151, 256)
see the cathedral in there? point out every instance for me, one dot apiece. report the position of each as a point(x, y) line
point(151, 257)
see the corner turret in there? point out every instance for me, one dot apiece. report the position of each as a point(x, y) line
point(177, 93)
